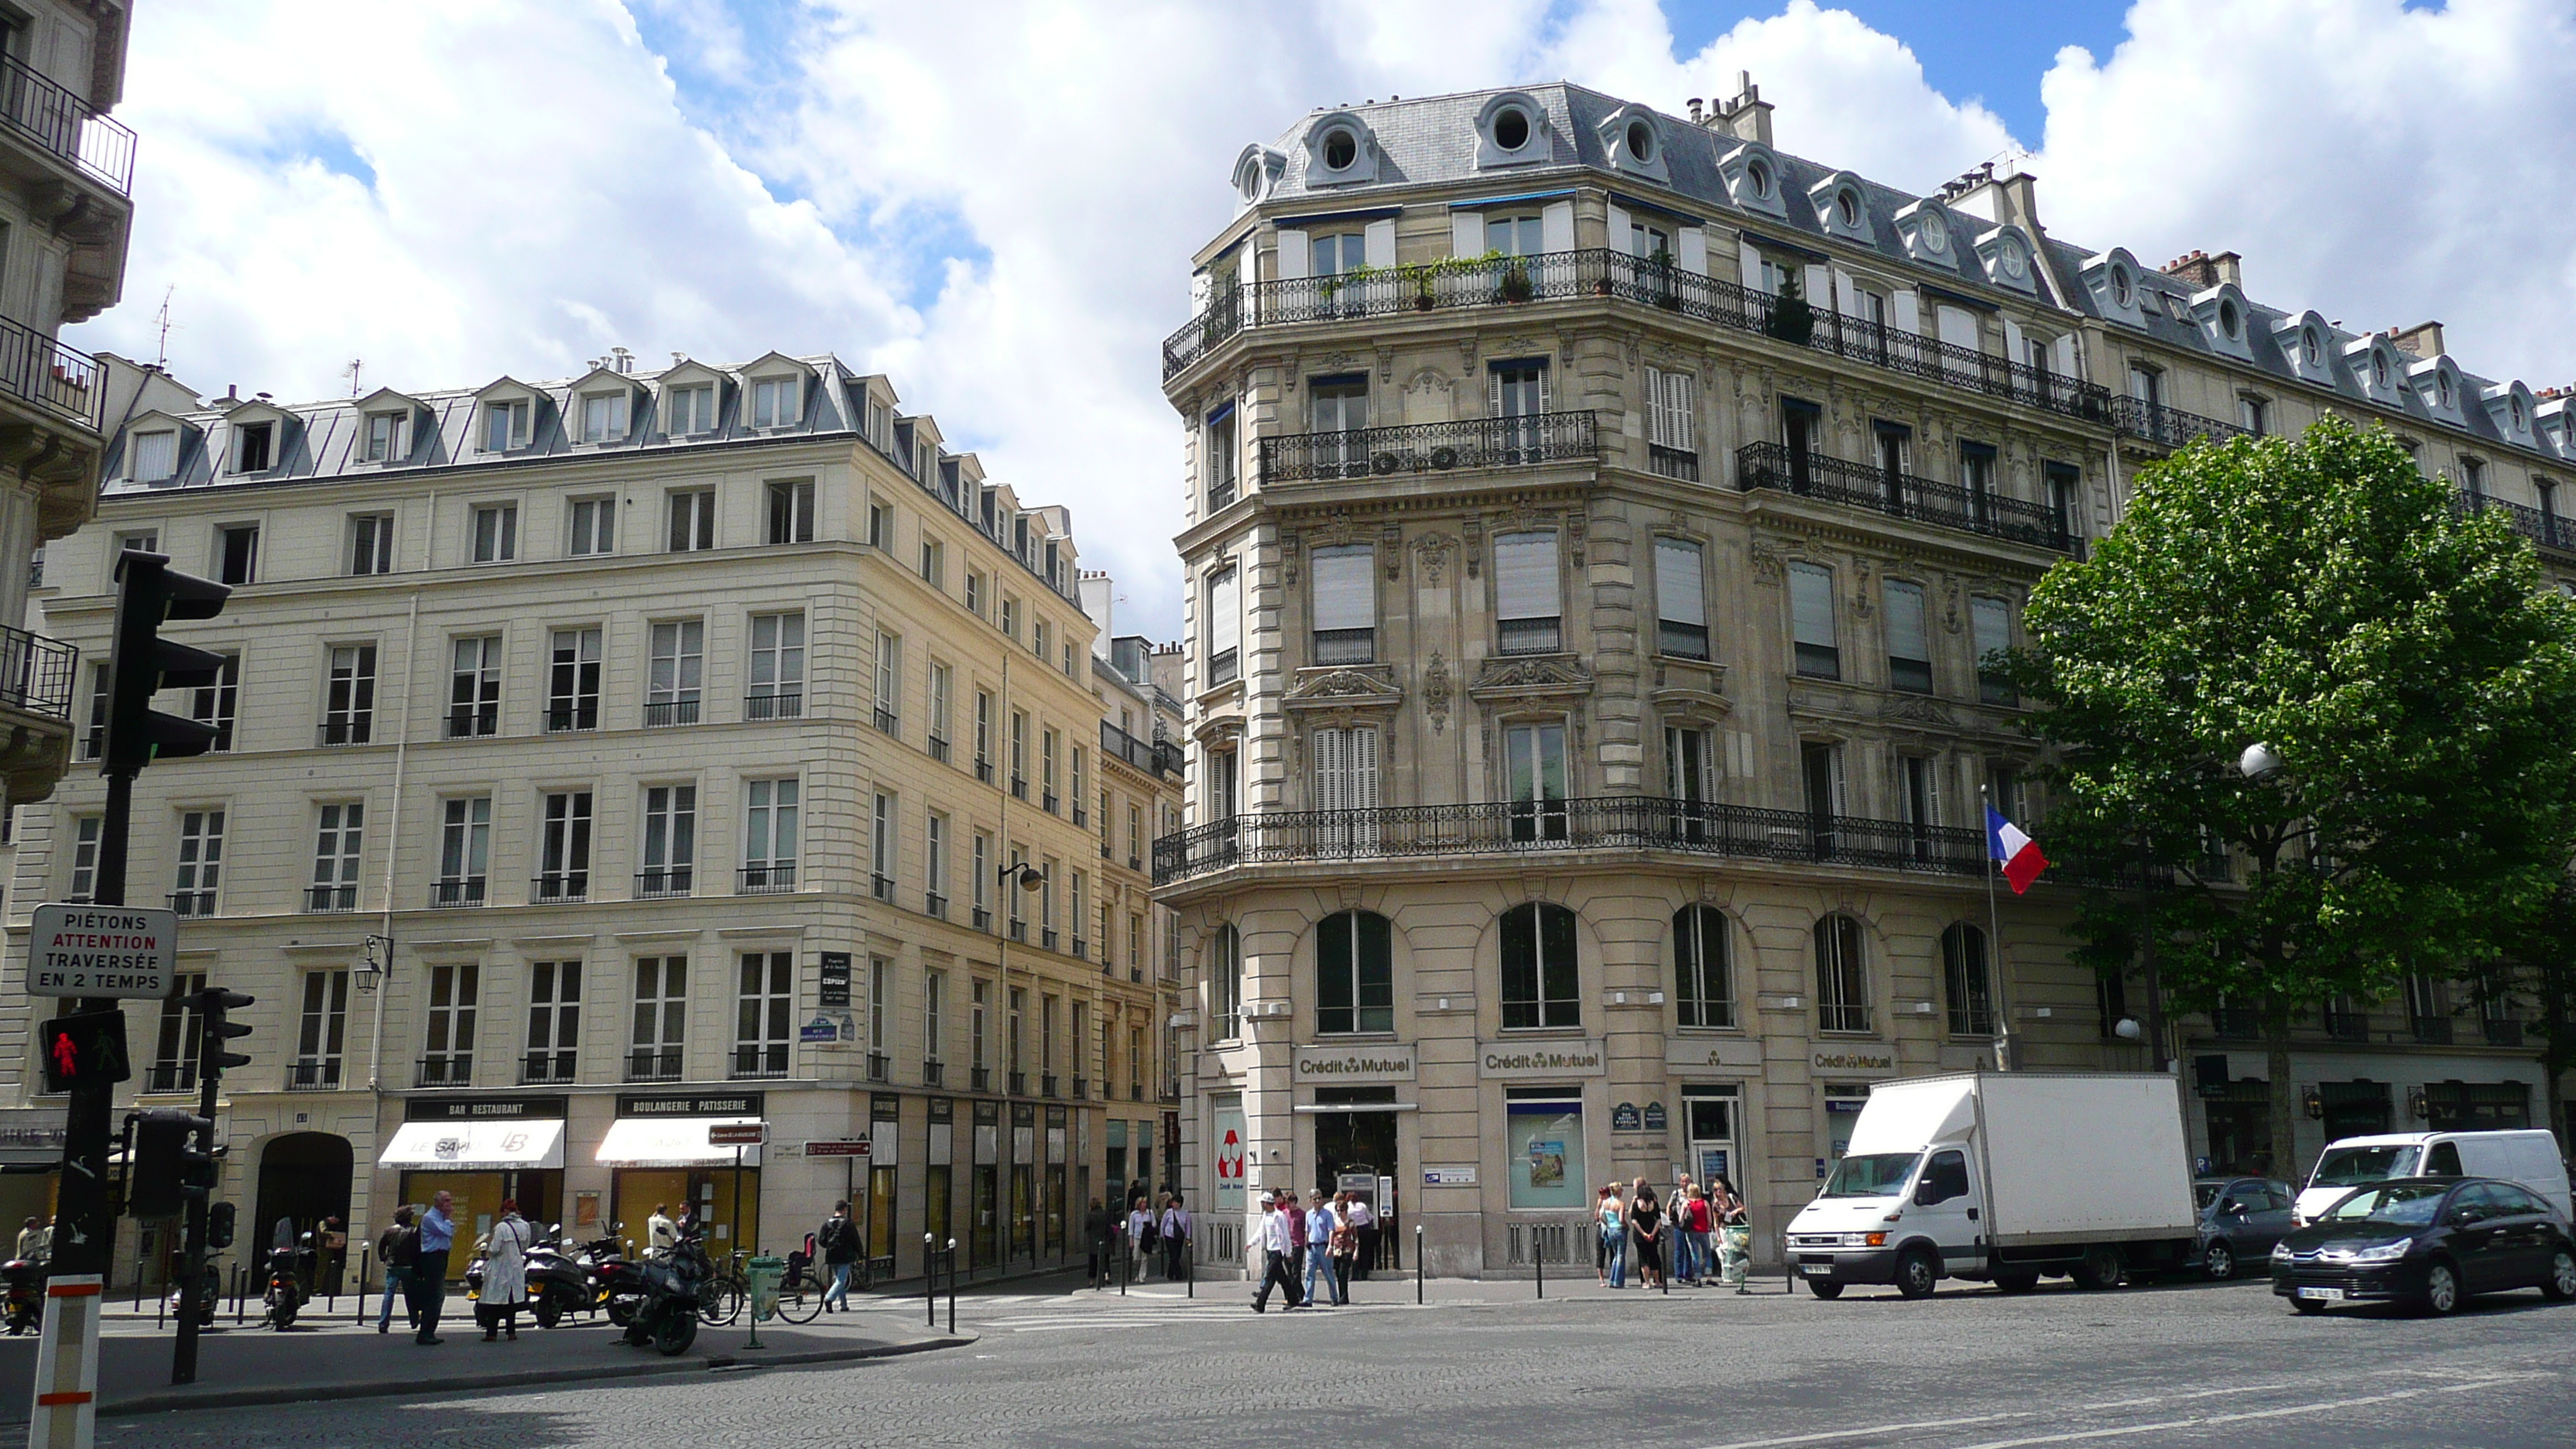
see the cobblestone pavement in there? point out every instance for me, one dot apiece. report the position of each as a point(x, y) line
point(1485, 1365)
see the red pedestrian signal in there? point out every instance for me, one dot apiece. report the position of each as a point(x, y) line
point(85, 1050)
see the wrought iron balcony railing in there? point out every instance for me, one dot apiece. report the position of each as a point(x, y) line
point(2169, 427)
point(658, 882)
point(1509, 442)
point(662, 714)
point(1624, 822)
point(1498, 281)
point(559, 885)
point(1158, 757)
point(2543, 528)
point(473, 721)
point(785, 704)
point(653, 1064)
point(769, 1060)
point(2432, 1030)
point(464, 890)
point(2348, 1025)
point(318, 1074)
point(47, 113)
point(331, 898)
point(171, 1077)
point(53, 375)
point(537, 1068)
point(2503, 1031)
point(36, 673)
point(1898, 495)
point(759, 879)
point(445, 1069)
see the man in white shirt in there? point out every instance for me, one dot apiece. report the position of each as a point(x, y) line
point(1363, 1222)
point(1278, 1254)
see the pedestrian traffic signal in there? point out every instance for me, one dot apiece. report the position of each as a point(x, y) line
point(83, 1051)
point(213, 1007)
point(140, 663)
point(167, 1169)
point(219, 1225)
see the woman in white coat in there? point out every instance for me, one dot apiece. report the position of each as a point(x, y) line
point(505, 1272)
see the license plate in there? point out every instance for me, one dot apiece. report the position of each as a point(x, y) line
point(1818, 1268)
point(2323, 1295)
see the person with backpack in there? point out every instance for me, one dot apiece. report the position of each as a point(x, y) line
point(838, 1238)
point(399, 1250)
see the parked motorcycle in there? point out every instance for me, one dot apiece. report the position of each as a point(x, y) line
point(286, 1293)
point(666, 1311)
point(26, 1294)
point(615, 1284)
point(207, 1297)
point(559, 1279)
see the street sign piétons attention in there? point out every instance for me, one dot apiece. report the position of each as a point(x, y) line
point(79, 950)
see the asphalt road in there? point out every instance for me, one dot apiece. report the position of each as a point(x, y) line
point(1485, 1366)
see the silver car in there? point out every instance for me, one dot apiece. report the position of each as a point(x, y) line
point(2240, 1219)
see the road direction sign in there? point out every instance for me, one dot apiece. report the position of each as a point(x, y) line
point(841, 1147)
point(737, 1134)
point(129, 951)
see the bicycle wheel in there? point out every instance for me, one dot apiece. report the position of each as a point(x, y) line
point(802, 1303)
point(719, 1302)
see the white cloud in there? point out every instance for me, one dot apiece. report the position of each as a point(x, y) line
point(1034, 175)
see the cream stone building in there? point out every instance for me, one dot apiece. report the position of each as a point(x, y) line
point(608, 760)
point(1597, 524)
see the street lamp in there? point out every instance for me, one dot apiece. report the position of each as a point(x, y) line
point(2259, 759)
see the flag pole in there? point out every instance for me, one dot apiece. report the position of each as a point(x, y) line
point(1995, 933)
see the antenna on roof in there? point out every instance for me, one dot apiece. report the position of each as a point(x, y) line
point(351, 373)
point(161, 320)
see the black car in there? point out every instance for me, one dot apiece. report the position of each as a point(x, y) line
point(2240, 1219)
point(2428, 1242)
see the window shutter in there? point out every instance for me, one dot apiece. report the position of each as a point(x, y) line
point(1345, 596)
point(1249, 264)
point(1525, 581)
point(1816, 284)
point(1690, 250)
point(1377, 243)
point(1296, 254)
point(1958, 327)
point(1991, 620)
point(1811, 605)
point(1908, 314)
point(1655, 407)
point(2012, 341)
point(2065, 364)
point(1679, 596)
point(1466, 233)
point(1362, 792)
point(1751, 259)
point(1621, 239)
point(1556, 226)
point(1493, 394)
point(1905, 636)
point(1332, 770)
point(1225, 614)
point(1846, 295)
point(1674, 765)
point(1932, 791)
point(1543, 403)
point(1681, 408)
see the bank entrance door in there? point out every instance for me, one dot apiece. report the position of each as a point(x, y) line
point(1355, 1135)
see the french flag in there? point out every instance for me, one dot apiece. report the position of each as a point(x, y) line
point(2019, 853)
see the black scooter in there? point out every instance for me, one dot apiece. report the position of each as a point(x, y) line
point(559, 1279)
point(286, 1294)
point(666, 1309)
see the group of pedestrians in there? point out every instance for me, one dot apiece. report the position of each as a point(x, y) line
point(414, 1252)
point(1332, 1239)
point(1154, 1235)
point(1702, 1237)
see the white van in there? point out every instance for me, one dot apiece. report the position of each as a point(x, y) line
point(2528, 1158)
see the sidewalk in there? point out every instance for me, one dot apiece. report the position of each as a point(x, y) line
point(338, 1360)
point(1564, 1282)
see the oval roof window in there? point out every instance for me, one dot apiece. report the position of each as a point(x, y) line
point(1511, 128)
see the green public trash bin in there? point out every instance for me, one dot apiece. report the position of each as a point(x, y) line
point(765, 1274)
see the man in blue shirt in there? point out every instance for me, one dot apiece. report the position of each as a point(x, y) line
point(428, 1286)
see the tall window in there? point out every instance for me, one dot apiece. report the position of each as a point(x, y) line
point(984, 735)
point(336, 843)
point(934, 863)
point(496, 532)
point(349, 704)
point(881, 846)
point(1224, 625)
point(670, 841)
point(554, 1021)
point(880, 526)
point(1703, 984)
point(661, 1021)
point(237, 553)
point(880, 1011)
point(322, 1031)
point(1990, 621)
point(777, 666)
point(603, 416)
point(1046, 769)
point(1541, 987)
point(791, 511)
point(85, 836)
point(1842, 976)
point(1527, 599)
point(564, 852)
point(174, 1057)
point(572, 681)
point(889, 681)
point(978, 1034)
point(1909, 643)
point(942, 688)
point(447, 1048)
point(1964, 973)
point(594, 526)
point(1225, 985)
point(934, 564)
point(769, 836)
point(693, 520)
point(979, 881)
point(764, 1003)
point(201, 862)
point(692, 410)
point(671, 691)
point(1218, 461)
point(776, 402)
point(1346, 780)
point(1518, 396)
point(1681, 603)
point(218, 703)
point(1020, 754)
point(371, 543)
point(474, 688)
point(94, 738)
point(1534, 774)
point(1690, 778)
point(1811, 613)
point(1354, 973)
point(1672, 415)
point(1977, 476)
point(464, 851)
point(934, 1021)
point(1345, 579)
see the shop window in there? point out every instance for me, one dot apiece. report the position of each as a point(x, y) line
point(1544, 1136)
point(1354, 974)
point(1964, 973)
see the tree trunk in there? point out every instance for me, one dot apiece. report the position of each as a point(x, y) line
point(2286, 1163)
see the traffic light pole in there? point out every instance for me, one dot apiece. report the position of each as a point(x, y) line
point(192, 1251)
point(65, 1414)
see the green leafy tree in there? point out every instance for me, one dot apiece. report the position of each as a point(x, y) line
point(2406, 662)
point(2540, 959)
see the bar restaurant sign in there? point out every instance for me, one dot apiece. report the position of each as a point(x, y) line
point(1392, 1062)
point(1532, 1060)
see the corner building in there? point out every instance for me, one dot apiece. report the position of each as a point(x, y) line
point(1597, 519)
point(611, 760)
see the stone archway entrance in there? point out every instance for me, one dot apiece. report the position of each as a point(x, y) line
point(306, 1177)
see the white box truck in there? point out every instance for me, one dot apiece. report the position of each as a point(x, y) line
point(2004, 1177)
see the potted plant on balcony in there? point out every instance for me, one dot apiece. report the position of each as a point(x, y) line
point(1515, 283)
point(1657, 271)
point(1792, 320)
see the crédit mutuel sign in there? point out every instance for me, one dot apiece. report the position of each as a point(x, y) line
point(1541, 1059)
point(1390, 1062)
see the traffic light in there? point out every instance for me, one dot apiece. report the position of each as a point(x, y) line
point(213, 1004)
point(141, 663)
point(167, 1169)
point(219, 1226)
point(85, 1050)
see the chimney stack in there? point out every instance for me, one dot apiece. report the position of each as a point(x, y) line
point(1747, 117)
point(2422, 340)
point(1694, 110)
point(2204, 271)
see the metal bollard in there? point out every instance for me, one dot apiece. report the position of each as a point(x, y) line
point(241, 1294)
point(952, 1286)
point(1417, 1265)
point(1126, 1251)
point(360, 1316)
point(1190, 1264)
point(929, 1281)
point(1538, 1259)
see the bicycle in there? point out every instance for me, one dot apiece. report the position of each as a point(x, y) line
point(800, 1293)
point(720, 1296)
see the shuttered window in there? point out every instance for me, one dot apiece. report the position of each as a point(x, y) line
point(1224, 626)
point(1346, 791)
point(1671, 404)
point(1991, 622)
point(1681, 607)
point(1527, 593)
point(1909, 648)
point(1811, 611)
point(1345, 604)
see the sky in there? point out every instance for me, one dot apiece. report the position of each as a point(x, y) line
point(994, 202)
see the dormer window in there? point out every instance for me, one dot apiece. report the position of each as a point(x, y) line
point(1757, 174)
point(603, 416)
point(505, 425)
point(1341, 148)
point(2312, 345)
point(2011, 261)
point(775, 402)
point(384, 437)
point(1847, 206)
point(1641, 140)
point(2230, 321)
point(692, 409)
point(2442, 388)
point(1936, 232)
point(254, 447)
point(156, 456)
point(2379, 369)
point(2121, 290)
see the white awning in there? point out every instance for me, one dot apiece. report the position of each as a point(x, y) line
point(672, 1142)
point(476, 1146)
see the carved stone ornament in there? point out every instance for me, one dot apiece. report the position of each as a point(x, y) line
point(1431, 554)
point(1536, 676)
point(1576, 533)
point(1335, 530)
point(1767, 565)
point(1915, 709)
point(1474, 527)
point(1390, 547)
point(1342, 687)
point(1435, 690)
